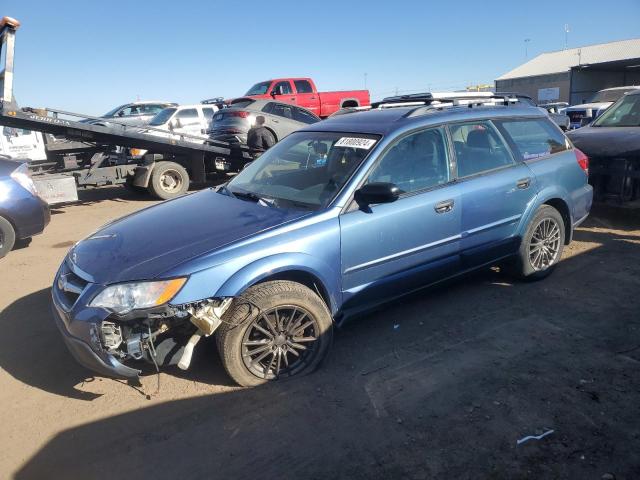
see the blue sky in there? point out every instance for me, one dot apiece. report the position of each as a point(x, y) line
point(89, 56)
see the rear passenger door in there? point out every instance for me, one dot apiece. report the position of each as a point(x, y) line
point(496, 189)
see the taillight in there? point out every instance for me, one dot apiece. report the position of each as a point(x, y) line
point(238, 113)
point(583, 160)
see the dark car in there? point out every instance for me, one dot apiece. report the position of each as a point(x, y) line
point(281, 119)
point(23, 213)
point(612, 143)
point(333, 220)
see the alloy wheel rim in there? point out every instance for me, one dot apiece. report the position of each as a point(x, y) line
point(545, 244)
point(280, 342)
point(170, 181)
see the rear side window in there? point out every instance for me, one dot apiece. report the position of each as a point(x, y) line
point(303, 116)
point(208, 113)
point(533, 137)
point(282, 110)
point(303, 86)
point(479, 148)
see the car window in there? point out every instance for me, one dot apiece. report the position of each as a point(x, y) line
point(303, 86)
point(301, 115)
point(268, 107)
point(479, 148)
point(282, 110)
point(282, 88)
point(415, 162)
point(150, 109)
point(626, 113)
point(188, 116)
point(129, 111)
point(208, 113)
point(306, 167)
point(533, 138)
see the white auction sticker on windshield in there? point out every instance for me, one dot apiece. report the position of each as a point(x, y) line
point(355, 142)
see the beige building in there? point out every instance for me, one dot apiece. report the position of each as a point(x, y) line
point(575, 74)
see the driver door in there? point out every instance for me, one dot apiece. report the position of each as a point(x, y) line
point(390, 249)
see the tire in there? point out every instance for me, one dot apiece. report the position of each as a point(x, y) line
point(252, 350)
point(168, 180)
point(534, 263)
point(7, 237)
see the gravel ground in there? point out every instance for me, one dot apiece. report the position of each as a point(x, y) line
point(440, 385)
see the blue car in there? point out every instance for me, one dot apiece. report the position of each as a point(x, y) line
point(23, 213)
point(270, 262)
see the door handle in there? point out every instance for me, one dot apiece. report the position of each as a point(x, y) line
point(444, 207)
point(523, 183)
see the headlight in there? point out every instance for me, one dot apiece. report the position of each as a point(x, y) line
point(124, 297)
point(23, 177)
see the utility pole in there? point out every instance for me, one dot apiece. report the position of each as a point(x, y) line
point(566, 36)
point(526, 47)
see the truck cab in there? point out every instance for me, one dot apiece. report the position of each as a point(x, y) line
point(302, 91)
point(188, 120)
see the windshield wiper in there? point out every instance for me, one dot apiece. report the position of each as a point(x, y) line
point(253, 197)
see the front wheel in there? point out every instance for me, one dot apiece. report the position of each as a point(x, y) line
point(542, 245)
point(275, 330)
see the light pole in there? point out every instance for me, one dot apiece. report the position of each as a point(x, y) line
point(526, 47)
point(365, 81)
point(566, 36)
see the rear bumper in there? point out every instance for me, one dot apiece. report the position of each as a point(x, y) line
point(82, 350)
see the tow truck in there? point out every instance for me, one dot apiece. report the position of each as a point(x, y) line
point(81, 154)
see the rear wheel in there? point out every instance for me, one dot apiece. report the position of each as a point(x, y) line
point(7, 236)
point(168, 180)
point(542, 245)
point(275, 330)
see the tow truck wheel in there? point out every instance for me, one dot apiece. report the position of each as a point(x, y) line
point(274, 331)
point(7, 237)
point(168, 180)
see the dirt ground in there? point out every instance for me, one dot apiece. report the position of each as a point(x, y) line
point(439, 385)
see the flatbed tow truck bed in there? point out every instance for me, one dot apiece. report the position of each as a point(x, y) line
point(85, 152)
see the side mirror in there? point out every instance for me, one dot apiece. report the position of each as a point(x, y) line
point(377, 192)
point(273, 93)
point(121, 113)
point(176, 123)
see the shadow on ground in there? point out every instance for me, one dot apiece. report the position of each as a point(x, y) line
point(439, 385)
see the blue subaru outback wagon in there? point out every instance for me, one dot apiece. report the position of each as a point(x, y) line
point(333, 220)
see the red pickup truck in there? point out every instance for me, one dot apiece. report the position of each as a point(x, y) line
point(303, 92)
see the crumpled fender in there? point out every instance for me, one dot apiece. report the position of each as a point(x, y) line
point(256, 271)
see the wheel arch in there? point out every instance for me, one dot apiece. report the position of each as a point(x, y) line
point(562, 207)
point(349, 102)
point(556, 198)
point(301, 268)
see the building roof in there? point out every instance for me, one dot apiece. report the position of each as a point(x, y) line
point(563, 60)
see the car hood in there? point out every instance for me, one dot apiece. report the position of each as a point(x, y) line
point(593, 106)
point(150, 242)
point(607, 141)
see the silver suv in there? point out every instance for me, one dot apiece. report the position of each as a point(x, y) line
point(135, 113)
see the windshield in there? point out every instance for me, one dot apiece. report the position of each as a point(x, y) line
point(111, 113)
point(609, 95)
point(259, 89)
point(305, 170)
point(625, 113)
point(162, 117)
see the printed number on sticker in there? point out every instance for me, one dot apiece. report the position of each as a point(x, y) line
point(355, 142)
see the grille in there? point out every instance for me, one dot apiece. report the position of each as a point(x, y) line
point(70, 286)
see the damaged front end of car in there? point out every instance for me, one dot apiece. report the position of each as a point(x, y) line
point(163, 336)
point(113, 329)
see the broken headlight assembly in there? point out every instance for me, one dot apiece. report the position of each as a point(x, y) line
point(122, 298)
